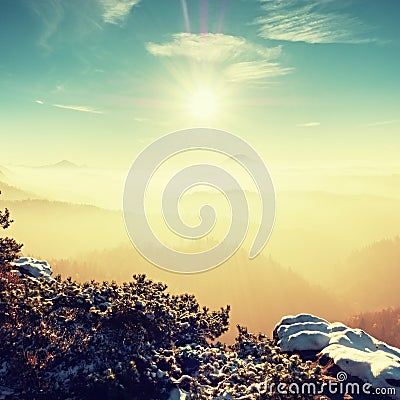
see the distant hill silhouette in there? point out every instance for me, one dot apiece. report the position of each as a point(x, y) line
point(13, 193)
point(249, 286)
point(384, 324)
point(4, 173)
point(370, 276)
point(58, 229)
point(64, 164)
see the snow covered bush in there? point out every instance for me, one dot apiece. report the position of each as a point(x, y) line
point(64, 339)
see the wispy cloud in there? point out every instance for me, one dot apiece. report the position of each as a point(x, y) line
point(115, 11)
point(239, 59)
point(140, 119)
point(39, 102)
point(387, 122)
point(50, 13)
point(78, 108)
point(253, 70)
point(311, 21)
point(53, 16)
point(211, 47)
point(309, 124)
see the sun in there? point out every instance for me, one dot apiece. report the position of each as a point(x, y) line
point(203, 103)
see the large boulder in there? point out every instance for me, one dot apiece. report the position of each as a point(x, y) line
point(352, 350)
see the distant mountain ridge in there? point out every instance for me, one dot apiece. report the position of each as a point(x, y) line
point(383, 324)
point(64, 164)
point(371, 275)
point(4, 173)
point(12, 193)
point(62, 229)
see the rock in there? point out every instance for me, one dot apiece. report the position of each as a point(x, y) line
point(29, 266)
point(352, 350)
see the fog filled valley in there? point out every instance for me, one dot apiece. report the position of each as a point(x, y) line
point(199, 200)
point(333, 252)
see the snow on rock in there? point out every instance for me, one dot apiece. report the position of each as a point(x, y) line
point(177, 394)
point(352, 350)
point(305, 332)
point(32, 267)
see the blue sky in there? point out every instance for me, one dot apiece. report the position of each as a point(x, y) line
point(306, 82)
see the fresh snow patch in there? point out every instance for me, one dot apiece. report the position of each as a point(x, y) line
point(352, 350)
point(177, 394)
point(34, 268)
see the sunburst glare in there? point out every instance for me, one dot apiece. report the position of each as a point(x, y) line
point(204, 103)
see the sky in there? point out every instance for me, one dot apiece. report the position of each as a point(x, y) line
point(306, 82)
